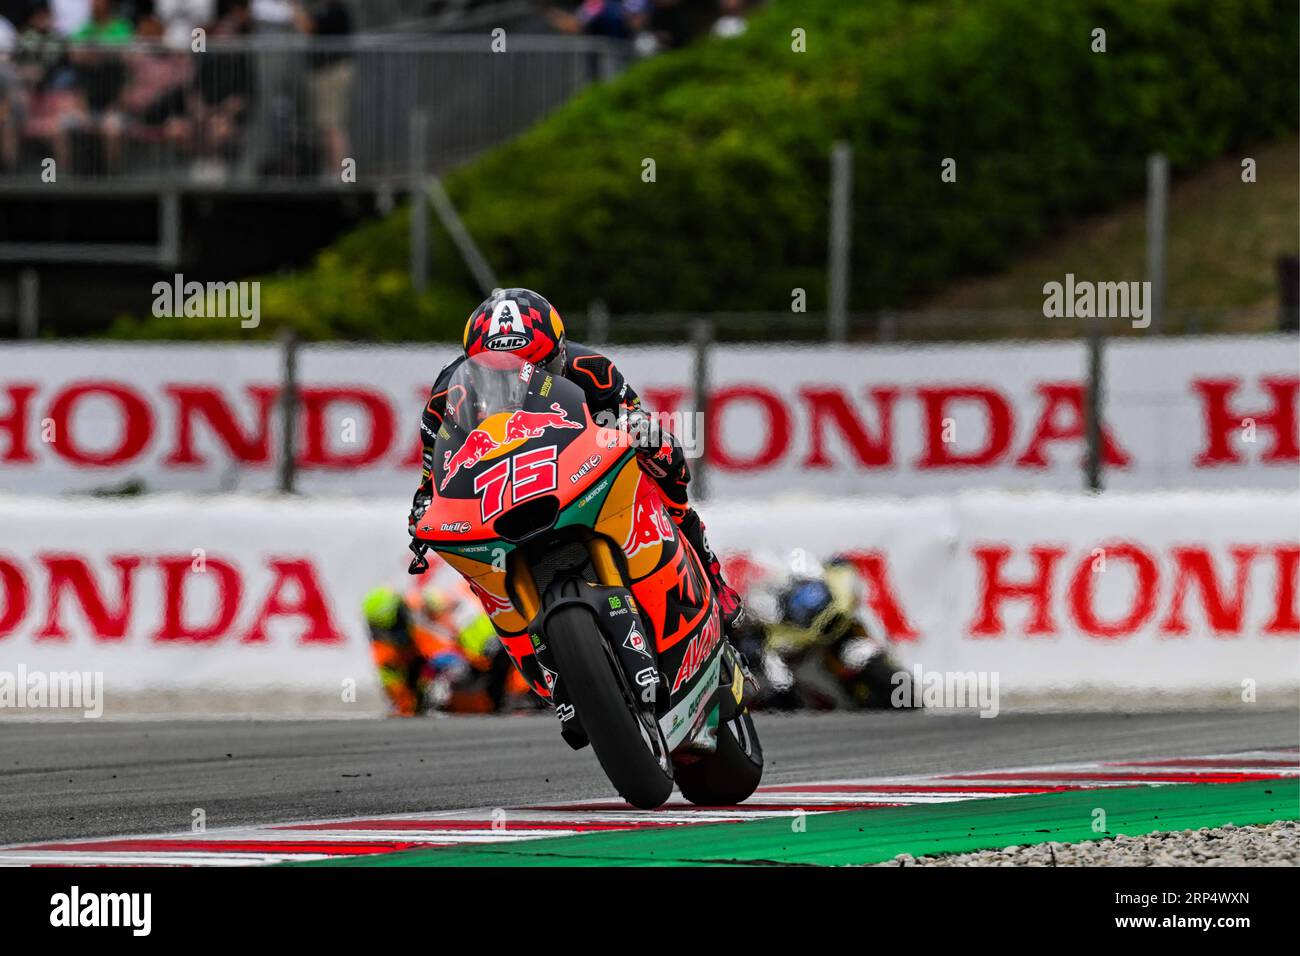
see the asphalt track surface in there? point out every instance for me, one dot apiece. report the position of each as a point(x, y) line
point(64, 779)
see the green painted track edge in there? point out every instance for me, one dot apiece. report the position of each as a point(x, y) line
point(878, 835)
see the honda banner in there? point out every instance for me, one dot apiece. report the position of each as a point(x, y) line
point(213, 599)
point(1178, 413)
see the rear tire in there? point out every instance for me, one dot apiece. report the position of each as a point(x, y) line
point(617, 731)
point(731, 773)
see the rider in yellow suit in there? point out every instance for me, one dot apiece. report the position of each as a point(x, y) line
point(436, 650)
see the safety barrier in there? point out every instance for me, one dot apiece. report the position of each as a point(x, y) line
point(232, 604)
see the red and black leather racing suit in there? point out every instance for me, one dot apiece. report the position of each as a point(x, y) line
point(607, 393)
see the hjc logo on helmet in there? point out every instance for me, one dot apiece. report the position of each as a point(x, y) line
point(506, 331)
point(517, 321)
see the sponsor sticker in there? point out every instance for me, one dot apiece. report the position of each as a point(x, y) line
point(698, 651)
point(596, 491)
point(648, 681)
point(548, 676)
point(636, 641)
point(585, 470)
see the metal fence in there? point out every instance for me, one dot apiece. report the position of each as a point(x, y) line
point(279, 110)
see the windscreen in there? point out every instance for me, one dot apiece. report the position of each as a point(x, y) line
point(484, 385)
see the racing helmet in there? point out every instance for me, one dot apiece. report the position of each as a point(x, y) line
point(518, 321)
point(382, 607)
point(805, 600)
point(827, 603)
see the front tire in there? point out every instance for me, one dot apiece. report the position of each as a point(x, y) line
point(731, 773)
point(629, 745)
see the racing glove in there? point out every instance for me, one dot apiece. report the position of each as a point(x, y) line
point(660, 457)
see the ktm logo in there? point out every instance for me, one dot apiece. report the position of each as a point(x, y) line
point(684, 603)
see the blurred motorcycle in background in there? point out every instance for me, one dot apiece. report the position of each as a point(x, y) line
point(437, 652)
point(807, 641)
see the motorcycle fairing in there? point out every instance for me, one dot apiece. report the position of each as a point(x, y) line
point(602, 491)
point(615, 614)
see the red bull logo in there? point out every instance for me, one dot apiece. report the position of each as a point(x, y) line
point(492, 605)
point(477, 444)
point(524, 424)
point(520, 426)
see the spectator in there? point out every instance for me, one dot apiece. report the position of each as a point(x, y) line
point(69, 16)
point(282, 133)
point(731, 18)
point(11, 96)
point(331, 80)
point(638, 14)
point(101, 72)
point(15, 12)
point(605, 18)
point(180, 18)
point(105, 25)
point(673, 22)
point(151, 107)
point(221, 100)
point(273, 15)
point(56, 106)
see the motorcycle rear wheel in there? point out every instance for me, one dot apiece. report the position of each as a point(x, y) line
point(730, 774)
point(632, 753)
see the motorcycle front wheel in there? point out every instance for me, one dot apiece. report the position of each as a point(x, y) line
point(629, 744)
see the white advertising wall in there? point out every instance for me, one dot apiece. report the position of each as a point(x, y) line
point(229, 595)
point(1202, 413)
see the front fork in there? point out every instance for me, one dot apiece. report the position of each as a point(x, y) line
point(616, 615)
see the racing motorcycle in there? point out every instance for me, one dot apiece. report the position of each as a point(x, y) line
point(814, 648)
point(603, 606)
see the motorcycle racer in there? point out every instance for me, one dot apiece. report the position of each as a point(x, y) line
point(810, 641)
point(522, 322)
point(435, 649)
